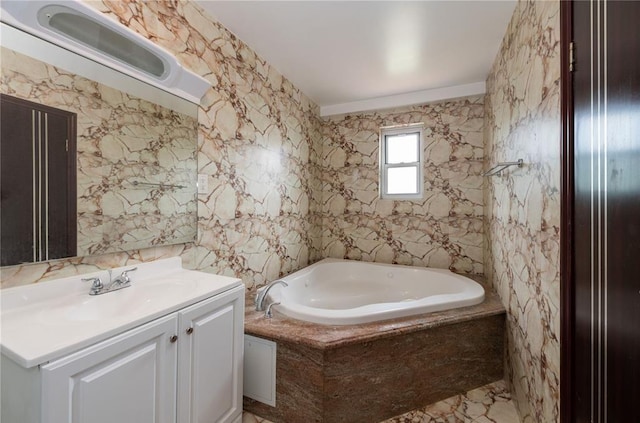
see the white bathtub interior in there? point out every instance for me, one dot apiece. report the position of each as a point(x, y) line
point(343, 292)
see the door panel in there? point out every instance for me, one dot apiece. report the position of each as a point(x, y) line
point(38, 182)
point(622, 208)
point(584, 228)
point(130, 378)
point(98, 396)
point(17, 141)
point(210, 359)
point(605, 364)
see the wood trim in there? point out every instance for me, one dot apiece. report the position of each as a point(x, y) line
point(567, 306)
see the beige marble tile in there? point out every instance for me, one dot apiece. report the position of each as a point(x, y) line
point(522, 206)
point(259, 143)
point(445, 228)
point(44, 271)
point(258, 135)
point(271, 162)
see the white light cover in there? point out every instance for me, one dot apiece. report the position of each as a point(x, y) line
point(92, 34)
point(89, 33)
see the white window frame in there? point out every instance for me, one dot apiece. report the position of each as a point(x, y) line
point(393, 131)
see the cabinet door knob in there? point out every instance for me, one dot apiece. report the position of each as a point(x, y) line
point(173, 339)
point(190, 331)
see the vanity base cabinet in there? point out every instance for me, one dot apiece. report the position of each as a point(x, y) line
point(210, 360)
point(128, 378)
point(20, 395)
point(185, 367)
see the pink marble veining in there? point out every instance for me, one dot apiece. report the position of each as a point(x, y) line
point(257, 136)
point(274, 202)
point(522, 206)
point(258, 142)
point(47, 270)
point(444, 229)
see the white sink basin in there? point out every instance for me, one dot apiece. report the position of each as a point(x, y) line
point(116, 303)
point(44, 321)
point(93, 308)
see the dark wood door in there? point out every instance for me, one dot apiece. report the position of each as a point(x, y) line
point(37, 182)
point(602, 358)
point(17, 179)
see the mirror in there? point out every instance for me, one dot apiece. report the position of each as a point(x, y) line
point(136, 146)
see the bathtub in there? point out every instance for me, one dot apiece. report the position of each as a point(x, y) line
point(346, 292)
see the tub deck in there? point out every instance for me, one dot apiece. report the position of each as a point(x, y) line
point(369, 372)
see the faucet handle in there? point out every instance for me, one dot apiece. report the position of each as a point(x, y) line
point(124, 276)
point(96, 284)
point(124, 272)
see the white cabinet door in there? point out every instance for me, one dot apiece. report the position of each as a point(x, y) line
point(130, 378)
point(210, 359)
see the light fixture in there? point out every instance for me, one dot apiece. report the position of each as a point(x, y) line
point(79, 28)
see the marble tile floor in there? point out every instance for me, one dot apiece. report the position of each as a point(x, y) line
point(488, 404)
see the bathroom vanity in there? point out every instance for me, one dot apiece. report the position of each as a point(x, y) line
point(166, 349)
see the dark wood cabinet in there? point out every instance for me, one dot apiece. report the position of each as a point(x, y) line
point(37, 182)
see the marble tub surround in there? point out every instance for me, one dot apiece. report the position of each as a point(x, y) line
point(522, 206)
point(488, 404)
point(120, 139)
point(369, 372)
point(443, 230)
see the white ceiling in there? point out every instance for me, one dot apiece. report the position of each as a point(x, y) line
point(351, 56)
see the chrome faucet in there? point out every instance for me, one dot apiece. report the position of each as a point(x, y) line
point(96, 287)
point(260, 297)
point(122, 281)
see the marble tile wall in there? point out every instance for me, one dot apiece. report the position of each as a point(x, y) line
point(46, 270)
point(443, 230)
point(120, 138)
point(258, 142)
point(522, 206)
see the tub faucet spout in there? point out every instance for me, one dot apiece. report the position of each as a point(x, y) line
point(269, 314)
point(260, 297)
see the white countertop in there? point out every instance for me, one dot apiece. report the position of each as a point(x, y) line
point(45, 321)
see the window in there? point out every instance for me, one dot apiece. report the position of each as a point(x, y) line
point(401, 162)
